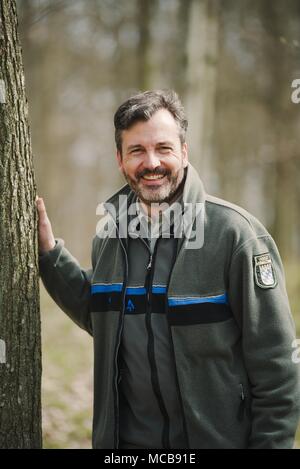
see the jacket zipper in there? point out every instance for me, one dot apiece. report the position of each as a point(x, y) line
point(242, 394)
point(119, 335)
point(241, 410)
point(173, 354)
point(151, 354)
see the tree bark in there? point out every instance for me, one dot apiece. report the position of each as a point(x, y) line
point(20, 344)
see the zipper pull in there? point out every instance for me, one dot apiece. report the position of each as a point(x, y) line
point(147, 283)
point(242, 394)
point(242, 405)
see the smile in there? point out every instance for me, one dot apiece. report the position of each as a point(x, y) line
point(153, 177)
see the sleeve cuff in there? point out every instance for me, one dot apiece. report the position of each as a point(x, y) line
point(52, 255)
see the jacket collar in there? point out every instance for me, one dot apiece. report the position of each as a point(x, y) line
point(193, 191)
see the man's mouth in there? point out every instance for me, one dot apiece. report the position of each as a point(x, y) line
point(153, 177)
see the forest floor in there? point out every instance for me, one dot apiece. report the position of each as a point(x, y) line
point(67, 385)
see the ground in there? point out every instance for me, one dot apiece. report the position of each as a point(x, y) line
point(67, 385)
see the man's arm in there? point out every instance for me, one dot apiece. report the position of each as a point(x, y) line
point(258, 298)
point(65, 281)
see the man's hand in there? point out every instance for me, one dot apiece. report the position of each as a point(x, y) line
point(46, 237)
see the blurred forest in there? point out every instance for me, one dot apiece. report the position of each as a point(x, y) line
point(232, 63)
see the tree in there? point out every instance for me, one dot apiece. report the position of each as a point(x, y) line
point(145, 10)
point(20, 344)
point(201, 79)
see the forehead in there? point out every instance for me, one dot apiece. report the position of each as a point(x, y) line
point(160, 127)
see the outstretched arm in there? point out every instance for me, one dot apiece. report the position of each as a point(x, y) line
point(66, 282)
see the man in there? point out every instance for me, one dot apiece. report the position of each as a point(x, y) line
point(192, 341)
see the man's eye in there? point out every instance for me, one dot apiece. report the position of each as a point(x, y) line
point(165, 149)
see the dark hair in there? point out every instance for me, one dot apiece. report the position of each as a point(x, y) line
point(142, 106)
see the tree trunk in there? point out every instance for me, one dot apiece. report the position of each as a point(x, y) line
point(144, 75)
point(20, 345)
point(202, 57)
point(182, 28)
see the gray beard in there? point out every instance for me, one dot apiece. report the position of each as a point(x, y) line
point(176, 188)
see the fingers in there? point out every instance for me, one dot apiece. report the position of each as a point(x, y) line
point(42, 214)
point(46, 237)
point(40, 204)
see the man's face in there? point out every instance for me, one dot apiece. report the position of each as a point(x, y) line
point(153, 158)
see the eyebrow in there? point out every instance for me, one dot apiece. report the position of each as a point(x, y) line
point(137, 146)
point(169, 144)
point(132, 147)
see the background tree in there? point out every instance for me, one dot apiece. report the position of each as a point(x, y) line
point(20, 364)
point(202, 45)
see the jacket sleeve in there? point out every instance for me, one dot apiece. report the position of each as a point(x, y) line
point(67, 284)
point(268, 331)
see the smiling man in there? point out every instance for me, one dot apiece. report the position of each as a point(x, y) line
point(193, 347)
point(152, 155)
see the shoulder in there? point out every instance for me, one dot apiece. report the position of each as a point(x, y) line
point(228, 219)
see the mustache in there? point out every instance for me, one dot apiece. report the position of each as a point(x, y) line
point(155, 172)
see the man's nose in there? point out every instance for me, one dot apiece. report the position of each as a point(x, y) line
point(151, 161)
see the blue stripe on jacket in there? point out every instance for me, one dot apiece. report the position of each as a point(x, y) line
point(219, 299)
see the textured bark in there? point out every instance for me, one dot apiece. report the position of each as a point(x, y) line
point(20, 363)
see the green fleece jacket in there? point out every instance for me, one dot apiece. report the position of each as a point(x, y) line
point(229, 320)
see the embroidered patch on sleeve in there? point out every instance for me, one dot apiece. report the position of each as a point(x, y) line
point(264, 272)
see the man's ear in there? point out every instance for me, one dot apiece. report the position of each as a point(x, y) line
point(185, 156)
point(119, 159)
